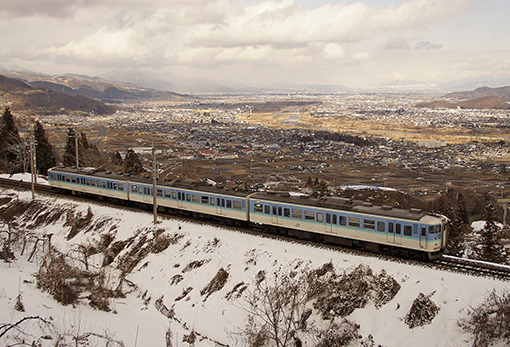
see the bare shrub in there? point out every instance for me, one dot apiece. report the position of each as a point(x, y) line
point(195, 264)
point(58, 278)
point(422, 311)
point(490, 321)
point(340, 295)
point(339, 334)
point(19, 304)
point(77, 222)
point(216, 284)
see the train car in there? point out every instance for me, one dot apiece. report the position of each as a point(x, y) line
point(193, 198)
point(189, 198)
point(88, 181)
point(343, 221)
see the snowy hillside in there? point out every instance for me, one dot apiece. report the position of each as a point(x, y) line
point(178, 277)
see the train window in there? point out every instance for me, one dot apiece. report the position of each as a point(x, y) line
point(229, 203)
point(390, 227)
point(222, 202)
point(93, 183)
point(398, 228)
point(257, 208)
point(297, 214)
point(159, 193)
point(68, 179)
point(238, 205)
point(408, 230)
point(369, 224)
point(195, 198)
point(320, 217)
point(342, 220)
point(205, 200)
point(423, 231)
point(354, 222)
point(280, 212)
point(212, 201)
point(381, 226)
point(309, 215)
point(115, 186)
point(267, 209)
point(73, 179)
point(188, 197)
point(333, 219)
point(140, 190)
point(174, 195)
point(328, 218)
point(275, 210)
point(436, 229)
point(286, 212)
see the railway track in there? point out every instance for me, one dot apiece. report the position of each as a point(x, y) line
point(474, 267)
point(454, 264)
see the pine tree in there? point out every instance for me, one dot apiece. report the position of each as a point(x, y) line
point(116, 159)
point(11, 148)
point(43, 150)
point(69, 158)
point(132, 163)
point(490, 247)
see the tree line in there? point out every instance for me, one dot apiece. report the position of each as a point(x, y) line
point(15, 151)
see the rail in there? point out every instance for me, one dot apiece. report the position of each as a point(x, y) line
point(474, 267)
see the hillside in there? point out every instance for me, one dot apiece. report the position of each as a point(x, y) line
point(25, 98)
point(181, 283)
point(486, 102)
point(501, 92)
point(93, 87)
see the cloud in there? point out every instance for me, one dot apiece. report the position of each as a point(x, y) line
point(194, 34)
point(397, 43)
point(361, 56)
point(427, 45)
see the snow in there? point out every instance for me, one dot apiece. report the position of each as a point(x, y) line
point(242, 255)
point(25, 177)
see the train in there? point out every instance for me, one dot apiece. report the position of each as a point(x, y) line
point(410, 233)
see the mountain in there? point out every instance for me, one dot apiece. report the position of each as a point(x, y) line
point(93, 87)
point(486, 102)
point(501, 92)
point(24, 97)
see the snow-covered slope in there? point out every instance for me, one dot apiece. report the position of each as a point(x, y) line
point(176, 277)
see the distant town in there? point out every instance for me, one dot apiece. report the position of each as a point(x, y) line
point(286, 138)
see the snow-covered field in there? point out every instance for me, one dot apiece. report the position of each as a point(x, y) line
point(136, 321)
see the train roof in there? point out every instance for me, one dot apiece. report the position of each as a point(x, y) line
point(348, 205)
point(200, 186)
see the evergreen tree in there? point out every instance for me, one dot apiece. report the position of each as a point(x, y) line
point(69, 158)
point(44, 153)
point(490, 247)
point(116, 158)
point(10, 143)
point(132, 163)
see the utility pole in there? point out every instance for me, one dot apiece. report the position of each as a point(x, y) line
point(33, 165)
point(76, 146)
point(154, 190)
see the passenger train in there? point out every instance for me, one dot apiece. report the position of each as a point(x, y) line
point(410, 233)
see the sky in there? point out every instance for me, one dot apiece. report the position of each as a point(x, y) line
point(357, 44)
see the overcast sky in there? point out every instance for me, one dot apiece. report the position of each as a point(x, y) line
point(366, 43)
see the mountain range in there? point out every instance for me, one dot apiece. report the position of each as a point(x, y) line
point(480, 98)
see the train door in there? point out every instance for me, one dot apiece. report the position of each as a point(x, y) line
point(328, 225)
point(147, 194)
point(220, 204)
point(398, 233)
point(277, 214)
point(180, 199)
point(423, 237)
point(390, 235)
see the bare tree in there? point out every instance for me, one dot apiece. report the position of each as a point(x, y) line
point(277, 311)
